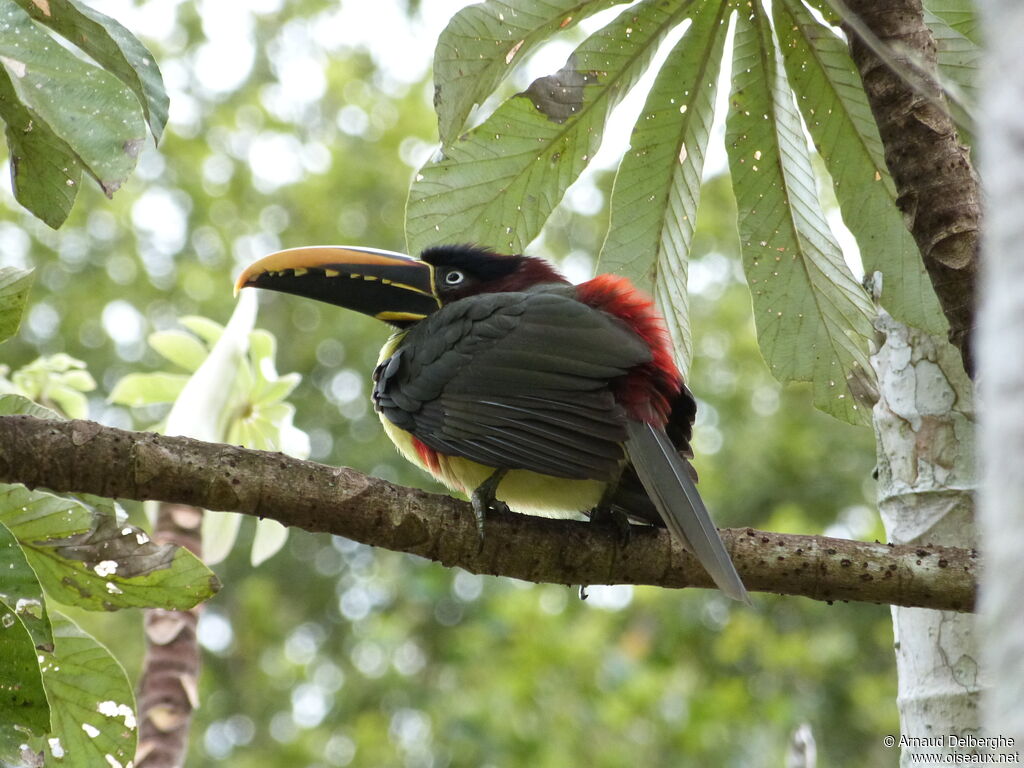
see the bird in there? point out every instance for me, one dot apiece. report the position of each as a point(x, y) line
point(510, 384)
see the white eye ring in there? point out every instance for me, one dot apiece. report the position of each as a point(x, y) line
point(454, 277)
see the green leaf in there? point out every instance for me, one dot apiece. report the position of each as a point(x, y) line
point(959, 60)
point(267, 392)
point(93, 707)
point(14, 288)
point(266, 435)
point(59, 363)
point(182, 349)
point(24, 711)
point(57, 380)
point(483, 44)
point(45, 172)
point(12, 404)
point(85, 556)
point(20, 589)
point(498, 183)
point(91, 110)
point(657, 186)
point(203, 327)
point(113, 47)
point(961, 15)
point(813, 318)
point(78, 380)
point(835, 109)
point(251, 432)
point(71, 402)
point(138, 389)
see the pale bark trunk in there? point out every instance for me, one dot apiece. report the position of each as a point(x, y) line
point(924, 418)
point(1001, 352)
point(925, 432)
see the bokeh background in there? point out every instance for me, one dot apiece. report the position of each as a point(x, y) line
point(302, 121)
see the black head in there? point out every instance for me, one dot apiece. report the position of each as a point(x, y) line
point(466, 270)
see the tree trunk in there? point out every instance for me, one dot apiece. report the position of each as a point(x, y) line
point(1001, 352)
point(924, 417)
point(924, 426)
point(938, 189)
point(168, 688)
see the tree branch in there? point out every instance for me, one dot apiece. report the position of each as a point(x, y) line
point(942, 210)
point(83, 456)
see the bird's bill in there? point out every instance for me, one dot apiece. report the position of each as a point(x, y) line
point(389, 286)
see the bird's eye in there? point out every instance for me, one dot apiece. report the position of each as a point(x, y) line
point(453, 277)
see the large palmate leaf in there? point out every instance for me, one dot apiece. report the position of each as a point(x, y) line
point(499, 182)
point(484, 42)
point(813, 318)
point(85, 555)
point(836, 113)
point(657, 187)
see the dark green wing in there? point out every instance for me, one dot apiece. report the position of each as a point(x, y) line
point(517, 381)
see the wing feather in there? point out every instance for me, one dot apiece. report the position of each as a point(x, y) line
point(667, 481)
point(515, 380)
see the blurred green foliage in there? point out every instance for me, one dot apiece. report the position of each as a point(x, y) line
point(333, 654)
point(55, 381)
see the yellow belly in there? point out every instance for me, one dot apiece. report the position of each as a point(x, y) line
point(524, 491)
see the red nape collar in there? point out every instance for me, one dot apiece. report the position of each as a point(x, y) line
point(647, 391)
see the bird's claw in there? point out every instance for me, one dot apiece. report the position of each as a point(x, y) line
point(484, 501)
point(605, 514)
point(483, 506)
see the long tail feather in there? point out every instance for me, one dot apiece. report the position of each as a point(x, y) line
point(671, 489)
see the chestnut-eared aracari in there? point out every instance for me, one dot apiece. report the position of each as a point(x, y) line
point(510, 384)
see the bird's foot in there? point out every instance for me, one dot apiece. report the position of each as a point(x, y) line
point(484, 500)
point(605, 514)
point(481, 508)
